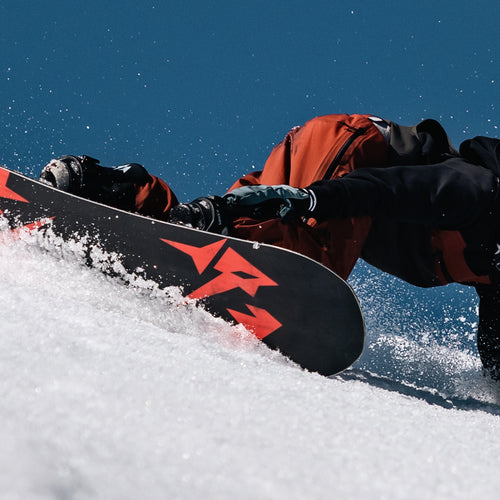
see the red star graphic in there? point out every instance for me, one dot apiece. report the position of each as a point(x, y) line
point(5, 192)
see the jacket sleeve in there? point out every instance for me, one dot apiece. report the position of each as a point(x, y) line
point(488, 333)
point(447, 195)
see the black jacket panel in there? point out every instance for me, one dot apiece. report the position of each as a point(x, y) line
point(408, 203)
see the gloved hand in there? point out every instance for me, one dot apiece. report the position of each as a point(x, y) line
point(269, 202)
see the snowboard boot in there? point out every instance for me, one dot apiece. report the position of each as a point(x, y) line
point(67, 172)
point(83, 176)
point(206, 214)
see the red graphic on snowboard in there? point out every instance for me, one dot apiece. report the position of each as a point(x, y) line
point(9, 194)
point(5, 192)
point(235, 272)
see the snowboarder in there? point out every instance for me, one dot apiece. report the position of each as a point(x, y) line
point(342, 187)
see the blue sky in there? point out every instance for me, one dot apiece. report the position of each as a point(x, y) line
point(200, 91)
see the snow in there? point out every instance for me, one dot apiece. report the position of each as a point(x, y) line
point(116, 392)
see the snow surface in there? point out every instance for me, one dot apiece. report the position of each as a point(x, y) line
point(116, 392)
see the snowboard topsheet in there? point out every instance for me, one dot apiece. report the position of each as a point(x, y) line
point(289, 301)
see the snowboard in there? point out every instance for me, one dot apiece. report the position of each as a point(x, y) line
point(288, 301)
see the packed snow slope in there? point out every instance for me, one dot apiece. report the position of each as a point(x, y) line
point(124, 392)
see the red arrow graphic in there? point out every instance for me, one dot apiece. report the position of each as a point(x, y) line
point(202, 256)
point(260, 322)
point(6, 192)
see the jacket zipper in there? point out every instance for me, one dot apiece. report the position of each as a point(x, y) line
point(356, 132)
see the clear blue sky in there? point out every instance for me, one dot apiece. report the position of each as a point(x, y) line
point(199, 91)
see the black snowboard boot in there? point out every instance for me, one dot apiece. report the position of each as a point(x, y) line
point(206, 214)
point(67, 173)
point(83, 176)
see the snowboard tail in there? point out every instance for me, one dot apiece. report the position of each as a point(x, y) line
point(288, 301)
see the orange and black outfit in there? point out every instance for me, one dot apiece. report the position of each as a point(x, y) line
point(390, 191)
point(402, 198)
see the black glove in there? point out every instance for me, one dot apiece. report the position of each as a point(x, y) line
point(269, 202)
